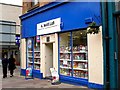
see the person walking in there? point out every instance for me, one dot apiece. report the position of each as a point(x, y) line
point(4, 66)
point(12, 65)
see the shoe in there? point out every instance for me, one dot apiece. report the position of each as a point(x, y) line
point(11, 75)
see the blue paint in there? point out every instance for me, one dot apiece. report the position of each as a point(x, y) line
point(36, 73)
point(73, 80)
point(88, 20)
point(72, 17)
point(23, 72)
point(95, 86)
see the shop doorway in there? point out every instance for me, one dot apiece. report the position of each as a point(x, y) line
point(48, 59)
point(118, 30)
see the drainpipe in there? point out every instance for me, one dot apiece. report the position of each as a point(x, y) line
point(104, 6)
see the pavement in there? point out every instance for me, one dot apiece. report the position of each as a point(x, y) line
point(18, 81)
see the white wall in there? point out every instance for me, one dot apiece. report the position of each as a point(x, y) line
point(23, 53)
point(95, 57)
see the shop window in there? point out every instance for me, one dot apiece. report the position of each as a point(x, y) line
point(79, 54)
point(73, 54)
point(65, 54)
point(29, 53)
point(33, 52)
point(37, 58)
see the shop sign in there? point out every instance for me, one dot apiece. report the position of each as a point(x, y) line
point(50, 26)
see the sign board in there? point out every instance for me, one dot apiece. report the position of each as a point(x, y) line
point(29, 73)
point(55, 76)
point(50, 26)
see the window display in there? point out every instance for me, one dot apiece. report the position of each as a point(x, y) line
point(74, 61)
point(29, 53)
point(79, 50)
point(37, 53)
point(65, 54)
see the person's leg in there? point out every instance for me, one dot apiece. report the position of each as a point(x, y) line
point(11, 73)
point(5, 71)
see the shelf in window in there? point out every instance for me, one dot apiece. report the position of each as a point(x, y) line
point(80, 69)
point(36, 62)
point(30, 56)
point(79, 52)
point(30, 62)
point(36, 57)
point(65, 67)
point(30, 51)
point(37, 51)
point(65, 59)
point(64, 52)
point(81, 77)
point(80, 60)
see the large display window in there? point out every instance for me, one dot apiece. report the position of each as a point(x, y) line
point(73, 54)
point(79, 53)
point(65, 54)
point(29, 52)
point(33, 53)
point(37, 58)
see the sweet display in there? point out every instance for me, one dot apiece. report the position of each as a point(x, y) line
point(66, 72)
point(65, 49)
point(37, 54)
point(79, 57)
point(81, 74)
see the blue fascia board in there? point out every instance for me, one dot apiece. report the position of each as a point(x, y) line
point(77, 12)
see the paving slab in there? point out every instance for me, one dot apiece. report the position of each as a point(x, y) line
point(18, 81)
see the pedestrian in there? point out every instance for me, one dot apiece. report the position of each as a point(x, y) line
point(4, 65)
point(12, 65)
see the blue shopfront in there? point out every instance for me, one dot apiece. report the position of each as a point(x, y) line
point(55, 36)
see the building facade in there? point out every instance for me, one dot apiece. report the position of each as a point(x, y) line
point(54, 35)
point(10, 30)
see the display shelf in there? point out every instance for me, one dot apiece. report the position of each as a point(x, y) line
point(36, 62)
point(64, 52)
point(64, 67)
point(80, 69)
point(65, 60)
point(36, 57)
point(36, 51)
point(30, 51)
point(30, 56)
point(79, 51)
point(30, 62)
point(80, 60)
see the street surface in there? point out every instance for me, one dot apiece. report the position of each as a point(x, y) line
point(19, 81)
